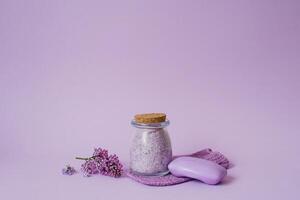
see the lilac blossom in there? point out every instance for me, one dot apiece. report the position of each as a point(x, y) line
point(102, 163)
point(69, 170)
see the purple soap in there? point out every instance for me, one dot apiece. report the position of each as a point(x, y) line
point(197, 168)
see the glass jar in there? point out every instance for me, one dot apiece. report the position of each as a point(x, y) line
point(151, 149)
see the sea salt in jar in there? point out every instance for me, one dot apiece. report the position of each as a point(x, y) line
point(151, 150)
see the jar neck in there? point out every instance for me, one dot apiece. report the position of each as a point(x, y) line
point(150, 126)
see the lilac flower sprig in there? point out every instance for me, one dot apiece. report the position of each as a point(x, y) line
point(69, 170)
point(101, 163)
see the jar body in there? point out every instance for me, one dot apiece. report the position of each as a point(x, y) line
point(151, 151)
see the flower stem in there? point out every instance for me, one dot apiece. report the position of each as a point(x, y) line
point(81, 158)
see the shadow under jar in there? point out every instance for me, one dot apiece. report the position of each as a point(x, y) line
point(151, 149)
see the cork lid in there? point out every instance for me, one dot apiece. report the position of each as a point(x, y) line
point(149, 118)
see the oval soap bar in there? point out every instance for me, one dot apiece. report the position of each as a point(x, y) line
point(197, 168)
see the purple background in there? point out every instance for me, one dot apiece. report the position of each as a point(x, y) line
point(73, 74)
